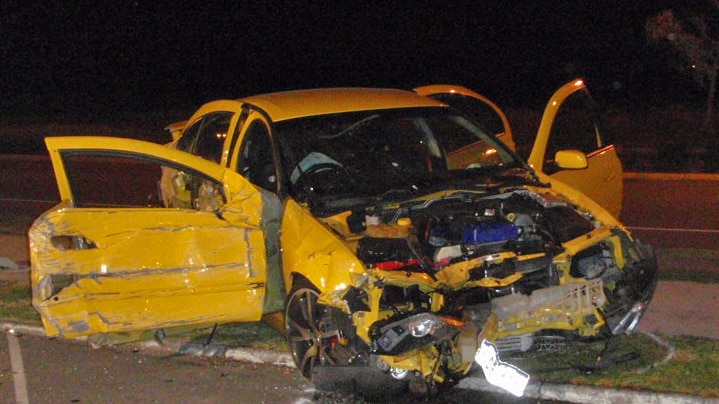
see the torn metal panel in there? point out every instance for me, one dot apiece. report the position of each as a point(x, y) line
point(89, 306)
point(119, 239)
point(314, 251)
point(112, 276)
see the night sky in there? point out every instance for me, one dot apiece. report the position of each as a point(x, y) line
point(97, 58)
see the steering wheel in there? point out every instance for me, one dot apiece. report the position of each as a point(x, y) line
point(314, 169)
point(322, 179)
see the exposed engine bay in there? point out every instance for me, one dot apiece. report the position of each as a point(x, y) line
point(458, 228)
point(450, 271)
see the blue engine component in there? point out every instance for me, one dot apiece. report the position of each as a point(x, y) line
point(489, 232)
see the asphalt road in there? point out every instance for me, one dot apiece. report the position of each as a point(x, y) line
point(673, 210)
point(41, 370)
point(60, 371)
point(664, 210)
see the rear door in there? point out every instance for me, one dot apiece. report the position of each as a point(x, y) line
point(117, 255)
point(571, 122)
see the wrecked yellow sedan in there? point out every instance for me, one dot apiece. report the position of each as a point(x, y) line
point(390, 232)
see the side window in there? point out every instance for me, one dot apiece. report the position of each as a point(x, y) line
point(206, 136)
point(130, 181)
point(212, 135)
point(256, 162)
point(576, 126)
point(189, 137)
point(464, 145)
point(482, 113)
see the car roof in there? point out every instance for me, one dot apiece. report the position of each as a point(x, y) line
point(285, 105)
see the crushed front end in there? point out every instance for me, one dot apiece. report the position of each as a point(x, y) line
point(450, 273)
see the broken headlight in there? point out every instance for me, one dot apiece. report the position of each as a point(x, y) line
point(415, 332)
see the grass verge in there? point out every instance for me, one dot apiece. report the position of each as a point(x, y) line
point(15, 303)
point(693, 265)
point(684, 365)
point(256, 335)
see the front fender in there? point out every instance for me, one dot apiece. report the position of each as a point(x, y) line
point(311, 249)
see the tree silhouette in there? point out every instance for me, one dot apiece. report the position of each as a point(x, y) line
point(694, 38)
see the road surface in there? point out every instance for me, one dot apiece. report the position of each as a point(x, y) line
point(63, 371)
point(664, 210)
point(673, 210)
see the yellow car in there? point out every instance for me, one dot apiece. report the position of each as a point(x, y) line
point(388, 231)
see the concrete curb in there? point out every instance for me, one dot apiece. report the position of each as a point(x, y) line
point(670, 176)
point(22, 329)
point(587, 394)
point(539, 391)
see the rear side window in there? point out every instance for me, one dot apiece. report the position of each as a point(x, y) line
point(483, 114)
point(206, 137)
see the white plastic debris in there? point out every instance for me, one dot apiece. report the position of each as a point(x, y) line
point(7, 263)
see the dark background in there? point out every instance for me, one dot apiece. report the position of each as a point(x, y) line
point(102, 59)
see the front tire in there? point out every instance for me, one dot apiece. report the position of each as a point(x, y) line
point(308, 341)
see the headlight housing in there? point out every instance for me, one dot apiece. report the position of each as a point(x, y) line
point(415, 332)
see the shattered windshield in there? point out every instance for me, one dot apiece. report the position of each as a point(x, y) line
point(336, 160)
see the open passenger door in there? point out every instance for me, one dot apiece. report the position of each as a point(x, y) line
point(570, 145)
point(571, 127)
point(115, 256)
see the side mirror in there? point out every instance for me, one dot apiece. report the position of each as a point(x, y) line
point(175, 129)
point(570, 160)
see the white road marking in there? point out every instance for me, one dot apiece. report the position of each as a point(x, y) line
point(674, 229)
point(27, 200)
point(18, 369)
